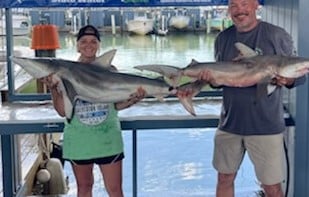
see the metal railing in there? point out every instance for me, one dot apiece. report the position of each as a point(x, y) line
point(8, 130)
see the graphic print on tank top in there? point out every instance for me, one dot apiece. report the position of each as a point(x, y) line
point(91, 113)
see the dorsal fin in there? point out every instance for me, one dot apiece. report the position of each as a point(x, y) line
point(244, 50)
point(193, 62)
point(105, 60)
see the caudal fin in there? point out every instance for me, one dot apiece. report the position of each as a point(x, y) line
point(188, 104)
point(187, 91)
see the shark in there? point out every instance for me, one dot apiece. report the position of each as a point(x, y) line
point(95, 82)
point(246, 70)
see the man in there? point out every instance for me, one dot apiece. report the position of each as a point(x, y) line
point(247, 125)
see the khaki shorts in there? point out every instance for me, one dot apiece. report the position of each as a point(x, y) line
point(265, 151)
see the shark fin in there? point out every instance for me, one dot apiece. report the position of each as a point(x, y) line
point(68, 108)
point(193, 88)
point(170, 72)
point(270, 89)
point(69, 98)
point(193, 62)
point(265, 89)
point(105, 60)
point(245, 51)
point(187, 104)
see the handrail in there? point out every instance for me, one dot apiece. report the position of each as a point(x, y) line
point(7, 130)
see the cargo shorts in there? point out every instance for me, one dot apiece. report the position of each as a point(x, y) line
point(265, 151)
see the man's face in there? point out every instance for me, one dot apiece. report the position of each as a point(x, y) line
point(243, 14)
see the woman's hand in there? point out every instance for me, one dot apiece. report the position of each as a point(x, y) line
point(138, 95)
point(133, 99)
point(50, 81)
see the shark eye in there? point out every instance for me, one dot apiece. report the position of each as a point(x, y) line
point(171, 88)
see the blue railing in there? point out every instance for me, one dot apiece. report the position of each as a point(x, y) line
point(9, 129)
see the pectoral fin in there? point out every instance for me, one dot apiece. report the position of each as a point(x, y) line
point(170, 72)
point(69, 95)
point(270, 89)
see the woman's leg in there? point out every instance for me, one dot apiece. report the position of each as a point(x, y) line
point(84, 179)
point(112, 175)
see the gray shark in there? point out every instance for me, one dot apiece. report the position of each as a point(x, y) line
point(97, 82)
point(246, 70)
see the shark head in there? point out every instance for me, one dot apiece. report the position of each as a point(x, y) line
point(294, 67)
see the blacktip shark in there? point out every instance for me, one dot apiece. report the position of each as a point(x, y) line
point(246, 70)
point(97, 82)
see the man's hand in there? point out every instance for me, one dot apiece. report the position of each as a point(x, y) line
point(283, 81)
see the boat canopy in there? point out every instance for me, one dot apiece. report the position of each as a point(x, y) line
point(109, 3)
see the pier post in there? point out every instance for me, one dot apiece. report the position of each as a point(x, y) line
point(45, 41)
point(113, 24)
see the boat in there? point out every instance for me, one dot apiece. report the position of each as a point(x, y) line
point(216, 24)
point(21, 25)
point(140, 25)
point(161, 32)
point(219, 20)
point(219, 24)
point(179, 21)
point(20, 75)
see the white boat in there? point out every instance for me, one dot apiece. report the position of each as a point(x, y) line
point(162, 32)
point(21, 25)
point(179, 21)
point(20, 75)
point(140, 25)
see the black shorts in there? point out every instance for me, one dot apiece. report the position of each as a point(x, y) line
point(99, 161)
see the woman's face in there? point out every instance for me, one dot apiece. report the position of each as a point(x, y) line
point(243, 14)
point(88, 46)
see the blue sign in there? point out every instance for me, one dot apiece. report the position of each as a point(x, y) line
point(108, 3)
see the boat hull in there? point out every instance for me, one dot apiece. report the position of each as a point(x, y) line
point(140, 26)
point(179, 22)
point(20, 24)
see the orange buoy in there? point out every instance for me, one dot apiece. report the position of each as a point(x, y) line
point(45, 37)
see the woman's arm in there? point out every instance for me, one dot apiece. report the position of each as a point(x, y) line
point(134, 98)
point(56, 94)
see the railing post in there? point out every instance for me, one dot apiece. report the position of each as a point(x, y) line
point(8, 176)
point(134, 160)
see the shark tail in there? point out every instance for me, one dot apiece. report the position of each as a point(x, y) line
point(188, 104)
point(188, 91)
point(69, 95)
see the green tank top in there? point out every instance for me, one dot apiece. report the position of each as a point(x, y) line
point(93, 132)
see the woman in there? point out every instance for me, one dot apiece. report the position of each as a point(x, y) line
point(93, 136)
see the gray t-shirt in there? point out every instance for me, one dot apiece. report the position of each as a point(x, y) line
point(241, 113)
